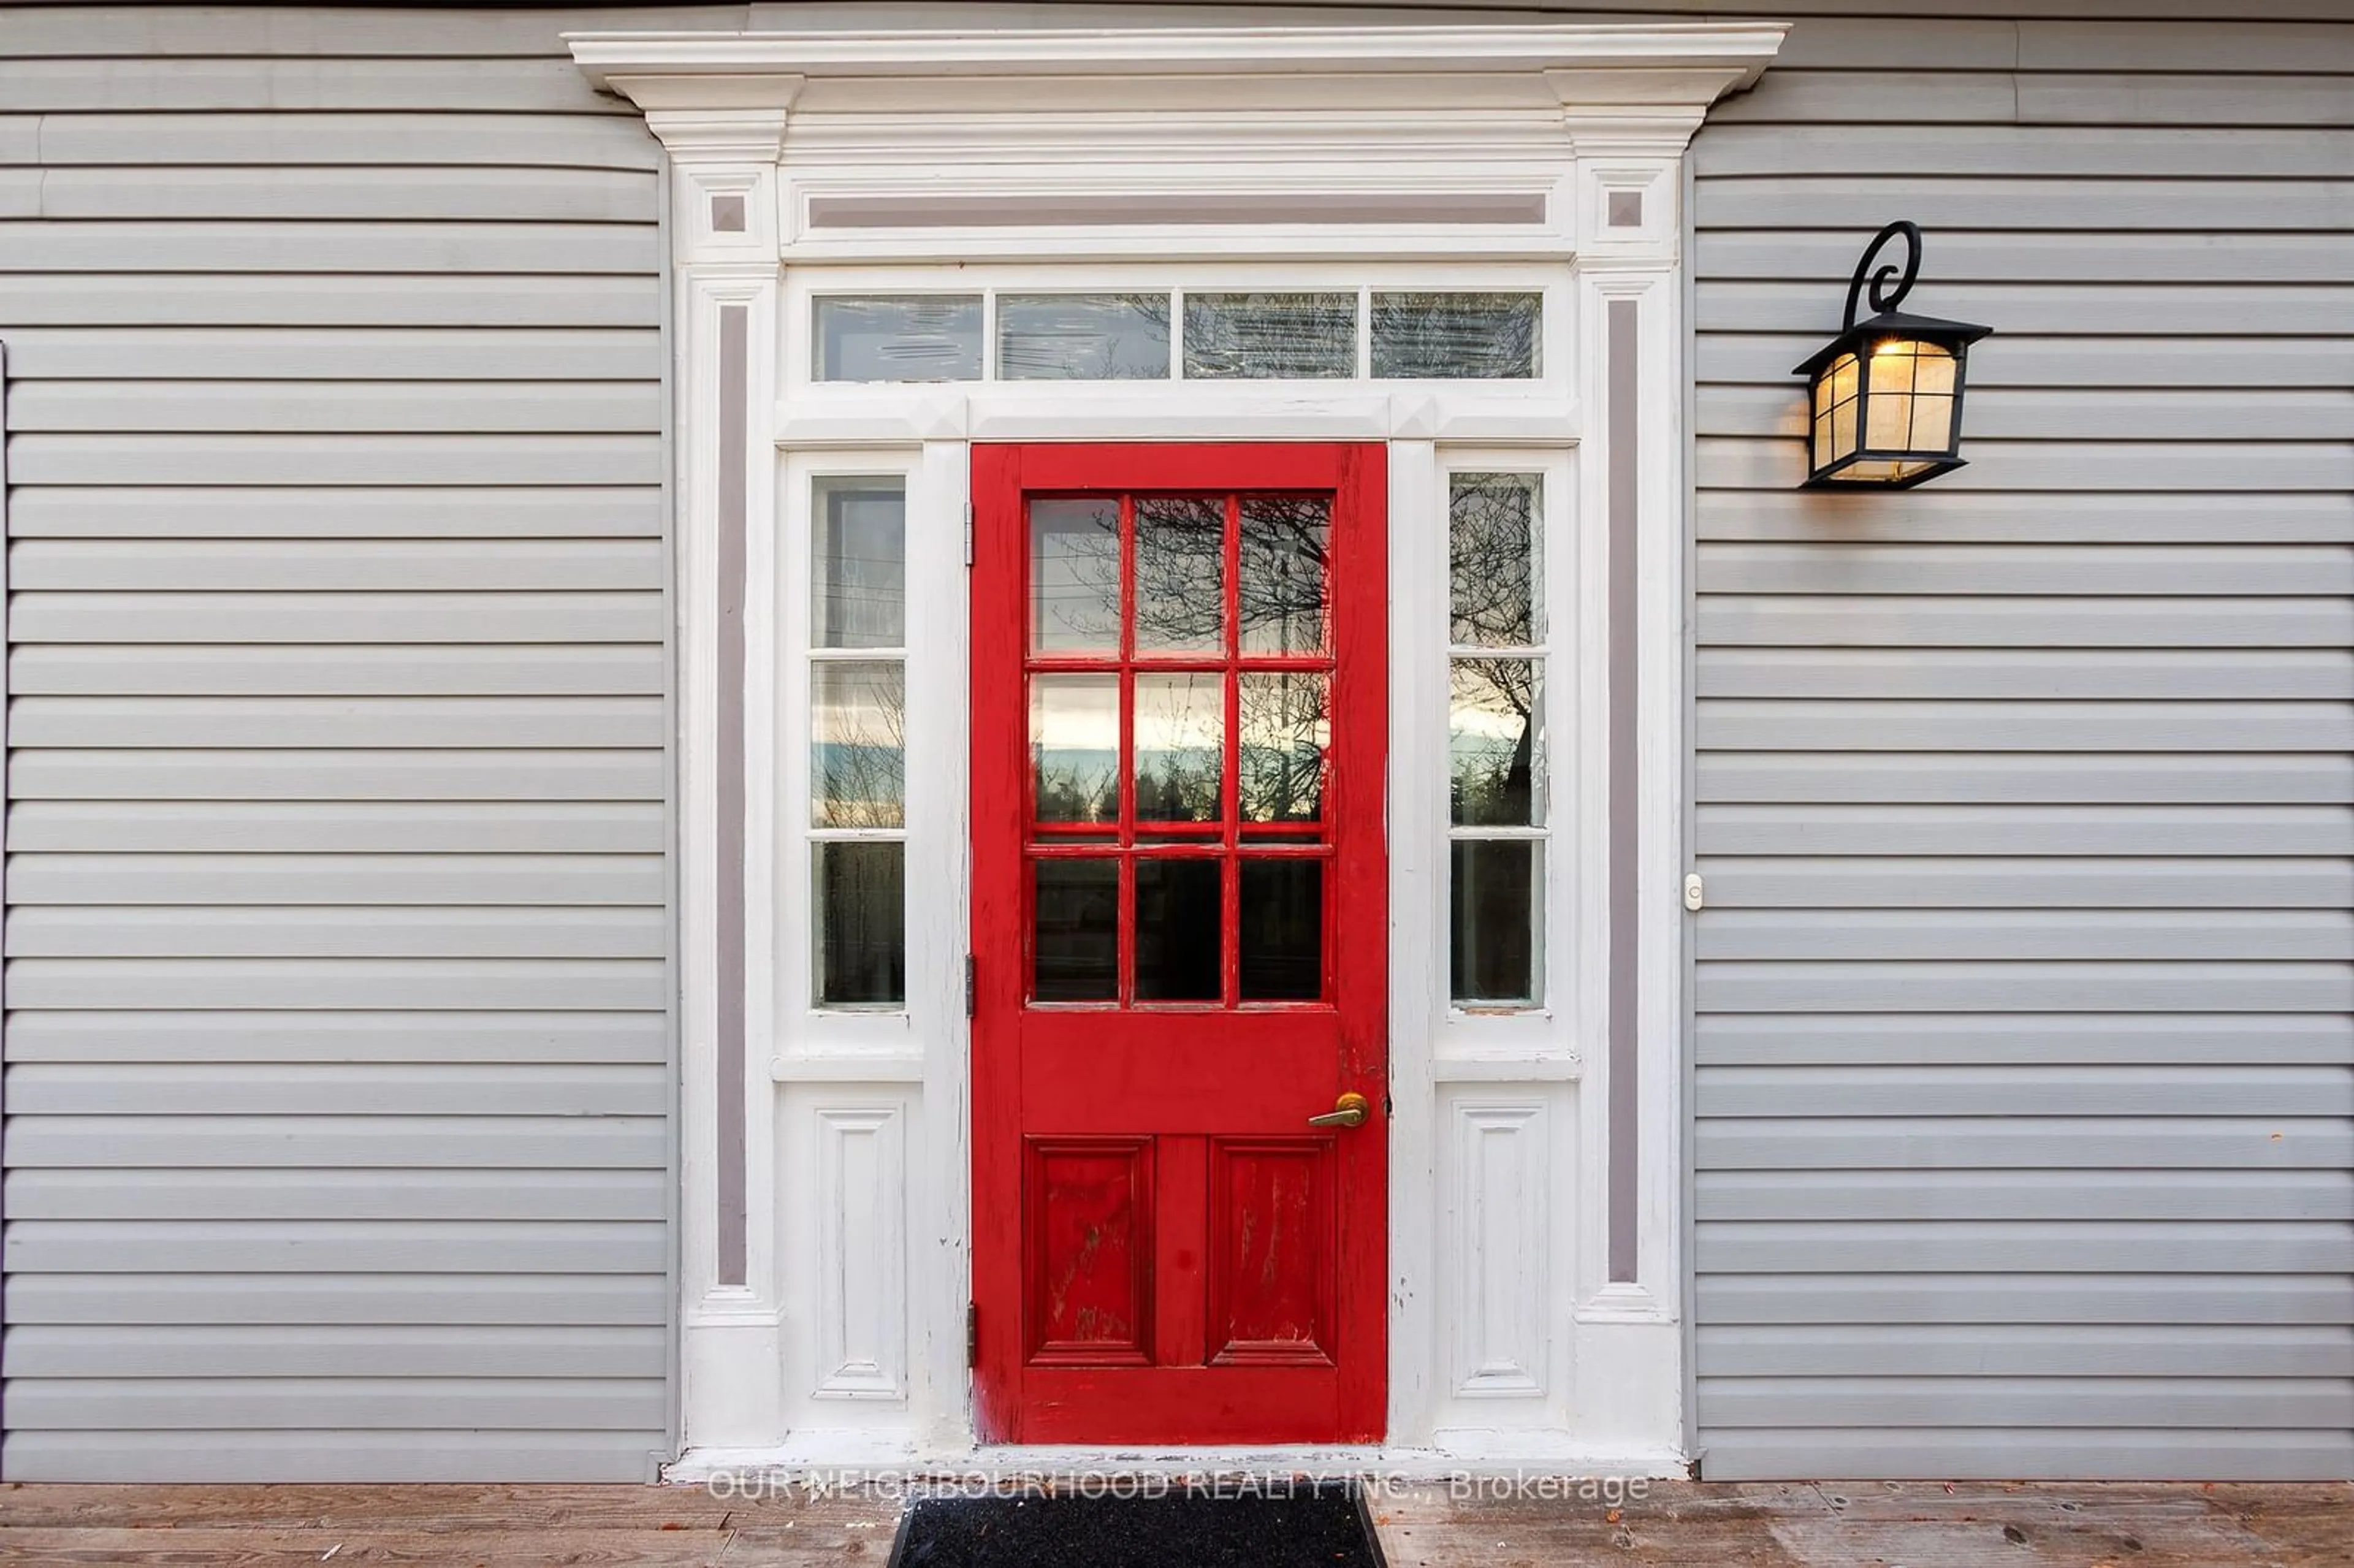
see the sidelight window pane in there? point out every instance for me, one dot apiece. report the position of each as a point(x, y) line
point(1181, 729)
point(1074, 932)
point(1494, 744)
point(1282, 930)
point(1074, 747)
point(1179, 917)
point(859, 563)
point(1271, 336)
point(1457, 336)
point(862, 958)
point(1082, 338)
point(904, 337)
point(1181, 574)
point(858, 749)
point(1496, 737)
point(1492, 903)
point(1492, 530)
point(1286, 541)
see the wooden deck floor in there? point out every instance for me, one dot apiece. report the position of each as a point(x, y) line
point(1677, 1525)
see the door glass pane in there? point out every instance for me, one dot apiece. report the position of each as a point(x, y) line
point(1457, 336)
point(1492, 919)
point(1074, 576)
point(1282, 930)
point(1492, 743)
point(1181, 574)
point(1181, 727)
point(861, 952)
point(1286, 336)
point(1491, 550)
point(1284, 544)
point(1074, 935)
point(859, 550)
point(1178, 922)
point(1074, 747)
point(1285, 728)
point(858, 745)
point(1082, 338)
point(908, 338)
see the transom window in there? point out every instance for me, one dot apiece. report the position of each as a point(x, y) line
point(1179, 673)
point(1311, 334)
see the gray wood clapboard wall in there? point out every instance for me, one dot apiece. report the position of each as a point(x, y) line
point(2025, 1080)
point(2024, 1066)
point(336, 1067)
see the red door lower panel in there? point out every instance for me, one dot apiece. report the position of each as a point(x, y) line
point(1180, 928)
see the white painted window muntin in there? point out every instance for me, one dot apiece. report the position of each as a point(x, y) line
point(1570, 582)
point(781, 567)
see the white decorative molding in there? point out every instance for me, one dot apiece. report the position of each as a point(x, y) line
point(1496, 1212)
point(1148, 158)
point(862, 1245)
point(1661, 63)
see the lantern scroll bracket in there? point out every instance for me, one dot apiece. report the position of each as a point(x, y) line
point(1883, 298)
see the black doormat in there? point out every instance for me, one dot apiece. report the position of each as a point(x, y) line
point(1278, 1524)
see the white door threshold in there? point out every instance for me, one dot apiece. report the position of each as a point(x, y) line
point(820, 1462)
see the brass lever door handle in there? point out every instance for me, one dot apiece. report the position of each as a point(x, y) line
point(1350, 1110)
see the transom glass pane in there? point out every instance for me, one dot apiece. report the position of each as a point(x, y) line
point(1283, 543)
point(858, 750)
point(1458, 336)
point(1082, 338)
point(1181, 574)
point(905, 337)
point(1492, 530)
point(1074, 576)
point(1074, 747)
point(1271, 336)
point(859, 563)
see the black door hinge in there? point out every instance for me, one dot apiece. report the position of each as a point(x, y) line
point(971, 1334)
point(972, 986)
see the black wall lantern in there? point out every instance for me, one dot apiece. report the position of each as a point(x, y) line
point(1884, 397)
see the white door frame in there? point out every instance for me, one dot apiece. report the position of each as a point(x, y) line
point(825, 1155)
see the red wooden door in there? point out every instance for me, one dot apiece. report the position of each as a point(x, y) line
point(1180, 933)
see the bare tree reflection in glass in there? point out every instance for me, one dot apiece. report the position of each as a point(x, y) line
point(1181, 574)
point(1286, 554)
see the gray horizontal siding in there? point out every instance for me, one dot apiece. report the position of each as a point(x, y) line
point(2024, 1094)
point(337, 948)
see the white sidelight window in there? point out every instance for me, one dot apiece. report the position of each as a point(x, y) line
point(858, 741)
point(1497, 784)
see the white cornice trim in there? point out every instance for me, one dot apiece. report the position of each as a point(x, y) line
point(727, 136)
point(1675, 70)
point(1742, 49)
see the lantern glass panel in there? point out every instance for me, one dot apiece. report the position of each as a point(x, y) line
point(1836, 391)
point(1911, 396)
